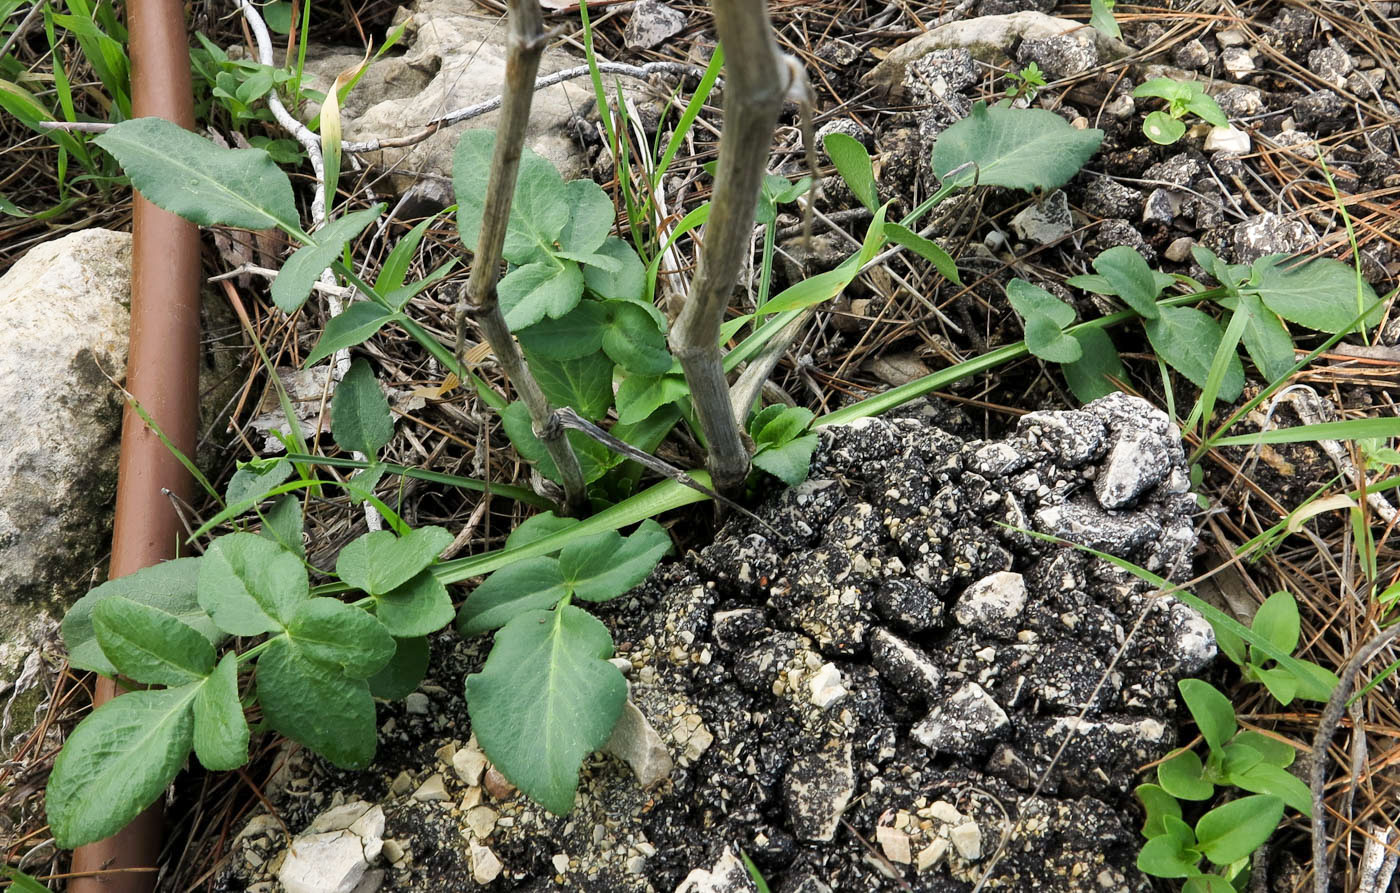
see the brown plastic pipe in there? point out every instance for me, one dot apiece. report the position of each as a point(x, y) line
point(162, 374)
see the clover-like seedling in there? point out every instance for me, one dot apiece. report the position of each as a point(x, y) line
point(1165, 127)
point(1026, 82)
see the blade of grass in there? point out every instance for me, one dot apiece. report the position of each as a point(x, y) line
point(510, 491)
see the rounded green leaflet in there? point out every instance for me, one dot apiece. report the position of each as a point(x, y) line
point(1213, 712)
point(117, 762)
point(360, 419)
point(401, 675)
point(220, 729)
point(1183, 775)
point(329, 631)
point(1231, 832)
point(1016, 148)
point(149, 645)
point(416, 608)
point(249, 585)
point(317, 705)
point(1162, 128)
point(545, 699)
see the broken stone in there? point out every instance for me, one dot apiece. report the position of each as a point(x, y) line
point(652, 24)
point(334, 860)
point(637, 744)
point(1138, 462)
point(1060, 56)
point(469, 763)
point(816, 790)
point(1268, 233)
point(895, 844)
point(1227, 139)
point(486, 867)
point(1045, 221)
point(432, 790)
point(964, 724)
point(993, 604)
point(907, 669)
point(967, 840)
point(1237, 61)
point(482, 821)
point(825, 686)
point(727, 875)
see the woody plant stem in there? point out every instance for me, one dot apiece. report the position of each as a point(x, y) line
point(755, 84)
point(526, 43)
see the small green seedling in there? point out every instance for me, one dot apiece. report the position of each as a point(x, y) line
point(1101, 18)
point(1026, 82)
point(1227, 834)
point(1165, 127)
point(1277, 621)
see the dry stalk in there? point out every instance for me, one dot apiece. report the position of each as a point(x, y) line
point(527, 41)
point(753, 97)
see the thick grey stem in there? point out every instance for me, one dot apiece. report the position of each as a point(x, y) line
point(526, 44)
point(755, 83)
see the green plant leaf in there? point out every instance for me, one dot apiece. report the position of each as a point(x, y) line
point(604, 566)
point(282, 524)
point(1045, 339)
point(1130, 278)
point(253, 479)
point(1267, 341)
point(591, 215)
point(1263, 778)
point(1281, 683)
point(401, 675)
point(328, 631)
point(1240, 758)
point(1204, 106)
point(1088, 377)
point(628, 283)
point(354, 325)
point(117, 762)
point(250, 586)
point(1183, 776)
point(1231, 832)
point(189, 176)
point(1275, 752)
point(1322, 293)
point(530, 293)
point(1157, 804)
point(360, 419)
point(1187, 340)
point(539, 208)
point(853, 164)
point(1101, 19)
point(1162, 128)
point(633, 341)
point(1027, 300)
point(360, 485)
point(1214, 714)
point(1169, 89)
point(149, 645)
point(169, 586)
point(1017, 148)
point(537, 527)
point(399, 297)
point(220, 729)
point(395, 268)
point(315, 704)
point(781, 427)
point(1277, 620)
point(641, 395)
point(584, 383)
point(545, 699)
point(1207, 883)
point(1165, 856)
point(926, 248)
point(790, 462)
point(21, 882)
point(527, 585)
point(380, 561)
point(825, 286)
point(293, 283)
point(577, 333)
point(416, 608)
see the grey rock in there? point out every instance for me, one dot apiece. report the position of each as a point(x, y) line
point(1237, 61)
point(1331, 63)
point(454, 56)
point(1160, 207)
point(335, 851)
point(841, 125)
point(941, 73)
point(908, 604)
point(908, 669)
point(652, 24)
point(1082, 521)
point(817, 789)
point(1005, 7)
point(820, 596)
point(1137, 462)
point(967, 722)
point(1045, 221)
point(65, 308)
point(1116, 231)
point(1179, 251)
point(993, 604)
point(1075, 438)
point(1268, 233)
point(1101, 756)
point(637, 744)
point(1059, 57)
point(740, 627)
point(1240, 101)
point(1319, 110)
point(1179, 170)
point(1191, 55)
point(727, 875)
point(1106, 197)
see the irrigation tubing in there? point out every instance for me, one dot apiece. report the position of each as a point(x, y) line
point(163, 377)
